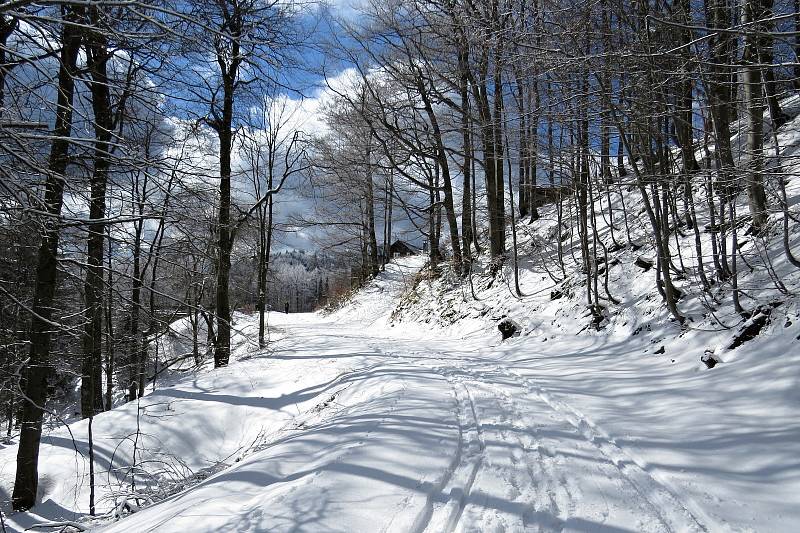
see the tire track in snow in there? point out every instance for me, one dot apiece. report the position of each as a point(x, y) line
point(516, 488)
point(445, 516)
point(550, 499)
point(434, 494)
point(425, 517)
point(501, 493)
point(536, 484)
point(676, 514)
point(679, 514)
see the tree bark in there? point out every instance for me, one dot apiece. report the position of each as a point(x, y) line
point(38, 369)
point(91, 374)
point(372, 239)
point(752, 11)
point(447, 184)
point(224, 129)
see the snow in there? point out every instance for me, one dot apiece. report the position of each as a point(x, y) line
point(349, 425)
point(404, 410)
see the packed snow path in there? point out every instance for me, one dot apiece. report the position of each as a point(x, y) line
point(427, 437)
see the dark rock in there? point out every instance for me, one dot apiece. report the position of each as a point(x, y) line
point(709, 360)
point(598, 316)
point(556, 294)
point(644, 263)
point(661, 350)
point(752, 327)
point(508, 328)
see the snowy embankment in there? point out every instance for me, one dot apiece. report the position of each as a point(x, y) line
point(326, 410)
point(722, 443)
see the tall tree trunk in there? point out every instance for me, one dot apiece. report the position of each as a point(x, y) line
point(262, 277)
point(222, 346)
point(499, 228)
point(797, 43)
point(514, 249)
point(372, 240)
point(155, 256)
point(384, 256)
point(582, 192)
point(38, 369)
point(522, 161)
point(605, 128)
point(7, 27)
point(91, 374)
point(493, 167)
point(387, 252)
point(752, 12)
point(720, 94)
point(136, 363)
point(110, 346)
point(534, 103)
point(433, 237)
point(766, 44)
point(447, 184)
point(265, 244)
point(683, 118)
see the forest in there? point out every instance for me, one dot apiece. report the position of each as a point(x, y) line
point(190, 160)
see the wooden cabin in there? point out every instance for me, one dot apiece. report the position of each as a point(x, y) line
point(401, 249)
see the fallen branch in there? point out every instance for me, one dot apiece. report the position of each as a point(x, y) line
point(63, 525)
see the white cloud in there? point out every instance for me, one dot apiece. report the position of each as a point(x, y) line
point(347, 9)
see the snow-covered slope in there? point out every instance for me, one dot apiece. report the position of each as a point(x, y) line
point(301, 406)
point(723, 441)
point(372, 305)
point(720, 443)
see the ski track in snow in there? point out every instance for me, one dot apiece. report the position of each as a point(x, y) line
point(554, 469)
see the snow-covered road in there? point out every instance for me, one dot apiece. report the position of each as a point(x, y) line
point(415, 435)
point(350, 422)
